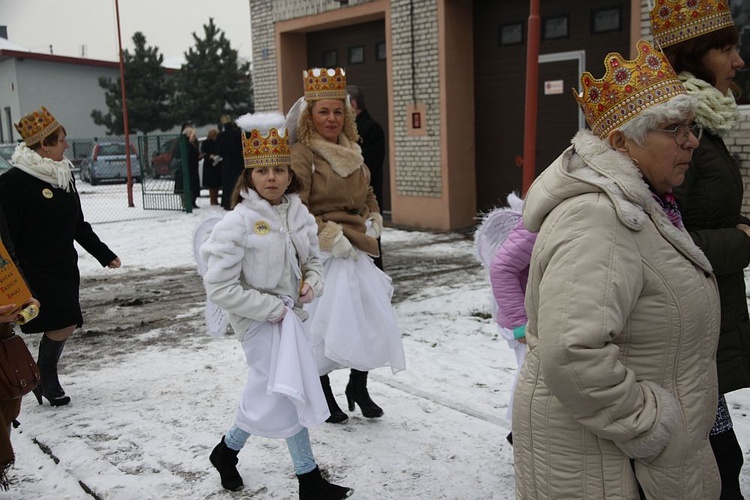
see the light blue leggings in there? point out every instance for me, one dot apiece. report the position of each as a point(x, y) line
point(299, 447)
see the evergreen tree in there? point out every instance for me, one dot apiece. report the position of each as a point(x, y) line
point(213, 82)
point(148, 93)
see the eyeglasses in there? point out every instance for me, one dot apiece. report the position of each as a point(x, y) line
point(682, 132)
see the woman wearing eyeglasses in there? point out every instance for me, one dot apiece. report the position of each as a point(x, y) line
point(710, 199)
point(618, 388)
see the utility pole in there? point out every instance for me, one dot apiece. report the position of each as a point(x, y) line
point(125, 111)
point(530, 113)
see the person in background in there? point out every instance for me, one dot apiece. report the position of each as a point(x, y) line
point(9, 409)
point(354, 324)
point(211, 166)
point(372, 142)
point(509, 273)
point(44, 217)
point(704, 55)
point(262, 264)
point(193, 156)
point(618, 389)
point(229, 148)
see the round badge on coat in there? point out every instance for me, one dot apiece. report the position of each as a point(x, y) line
point(47, 193)
point(262, 228)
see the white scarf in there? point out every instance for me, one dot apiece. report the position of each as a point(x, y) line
point(345, 158)
point(56, 173)
point(716, 112)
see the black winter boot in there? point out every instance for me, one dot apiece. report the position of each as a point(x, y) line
point(312, 486)
point(225, 460)
point(729, 460)
point(337, 415)
point(49, 355)
point(356, 392)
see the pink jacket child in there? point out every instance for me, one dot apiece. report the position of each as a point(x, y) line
point(509, 271)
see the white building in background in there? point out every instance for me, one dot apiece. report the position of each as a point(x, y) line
point(67, 86)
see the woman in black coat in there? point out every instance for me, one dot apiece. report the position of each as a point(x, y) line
point(44, 218)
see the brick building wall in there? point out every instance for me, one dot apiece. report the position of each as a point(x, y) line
point(417, 165)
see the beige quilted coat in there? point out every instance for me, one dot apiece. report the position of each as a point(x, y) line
point(623, 325)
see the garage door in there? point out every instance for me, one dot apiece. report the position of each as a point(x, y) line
point(594, 27)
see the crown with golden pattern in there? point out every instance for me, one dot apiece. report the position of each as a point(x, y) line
point(674, 21)
point(265, 141)
point(36, 126)
point(324, 83)
point(627, 88)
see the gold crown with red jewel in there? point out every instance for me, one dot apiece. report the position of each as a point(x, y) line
point(265, 141)
point(674, 21)
point(36, 126)
point(627, 88)
point(324, 83)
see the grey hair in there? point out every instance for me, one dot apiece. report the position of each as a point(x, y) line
point(676, 110)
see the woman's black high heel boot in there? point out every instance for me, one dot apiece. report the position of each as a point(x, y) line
point(224, 459)
point(337, 415)
point(356, 392)
point(312, 486)
point(49, 355)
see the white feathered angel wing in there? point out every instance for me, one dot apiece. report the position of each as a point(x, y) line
point(217, 319)
point(494, 228)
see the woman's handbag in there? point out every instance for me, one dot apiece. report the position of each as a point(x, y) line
point(19, 373)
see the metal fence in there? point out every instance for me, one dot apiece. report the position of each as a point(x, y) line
point(101, 178)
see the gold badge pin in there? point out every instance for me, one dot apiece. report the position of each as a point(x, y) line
point(47, 193)
point(262, 228)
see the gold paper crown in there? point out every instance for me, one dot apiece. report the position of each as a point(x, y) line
point(674, 21)
point(627, 88)
point(269, 150)
point(323, 83)
point(36, 126)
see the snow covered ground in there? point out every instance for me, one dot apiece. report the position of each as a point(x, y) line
point(143, 421)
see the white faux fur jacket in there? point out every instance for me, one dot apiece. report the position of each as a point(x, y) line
point(258, 253)
point(623, 313)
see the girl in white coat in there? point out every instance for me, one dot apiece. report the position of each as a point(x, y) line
point(261, 265)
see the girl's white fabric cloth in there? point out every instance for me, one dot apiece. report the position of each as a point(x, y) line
point(354, 324)
point(283, 392)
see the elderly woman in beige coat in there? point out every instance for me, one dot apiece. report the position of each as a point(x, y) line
point(618, 391)
point(353, 325)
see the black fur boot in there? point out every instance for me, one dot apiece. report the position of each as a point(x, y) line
point(225, 460)
point(356, 392)
point(49, 355)
point(337, 415)
point(312, 486)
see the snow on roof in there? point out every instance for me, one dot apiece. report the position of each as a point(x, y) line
point(5, 44)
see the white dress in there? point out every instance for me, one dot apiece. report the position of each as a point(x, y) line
point(353, 324)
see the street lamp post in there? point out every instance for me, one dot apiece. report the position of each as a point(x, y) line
point(124, 110)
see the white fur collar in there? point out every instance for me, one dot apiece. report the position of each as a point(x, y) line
point(56, 173)
point(345, 158)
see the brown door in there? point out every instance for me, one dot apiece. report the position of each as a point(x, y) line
point(500, 43)
point(557, 113)
point(360, 49)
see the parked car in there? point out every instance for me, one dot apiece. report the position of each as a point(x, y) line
point(107, 162)
point(6, 150)
point(162, 158)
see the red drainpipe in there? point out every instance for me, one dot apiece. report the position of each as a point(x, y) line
point(530, 114)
